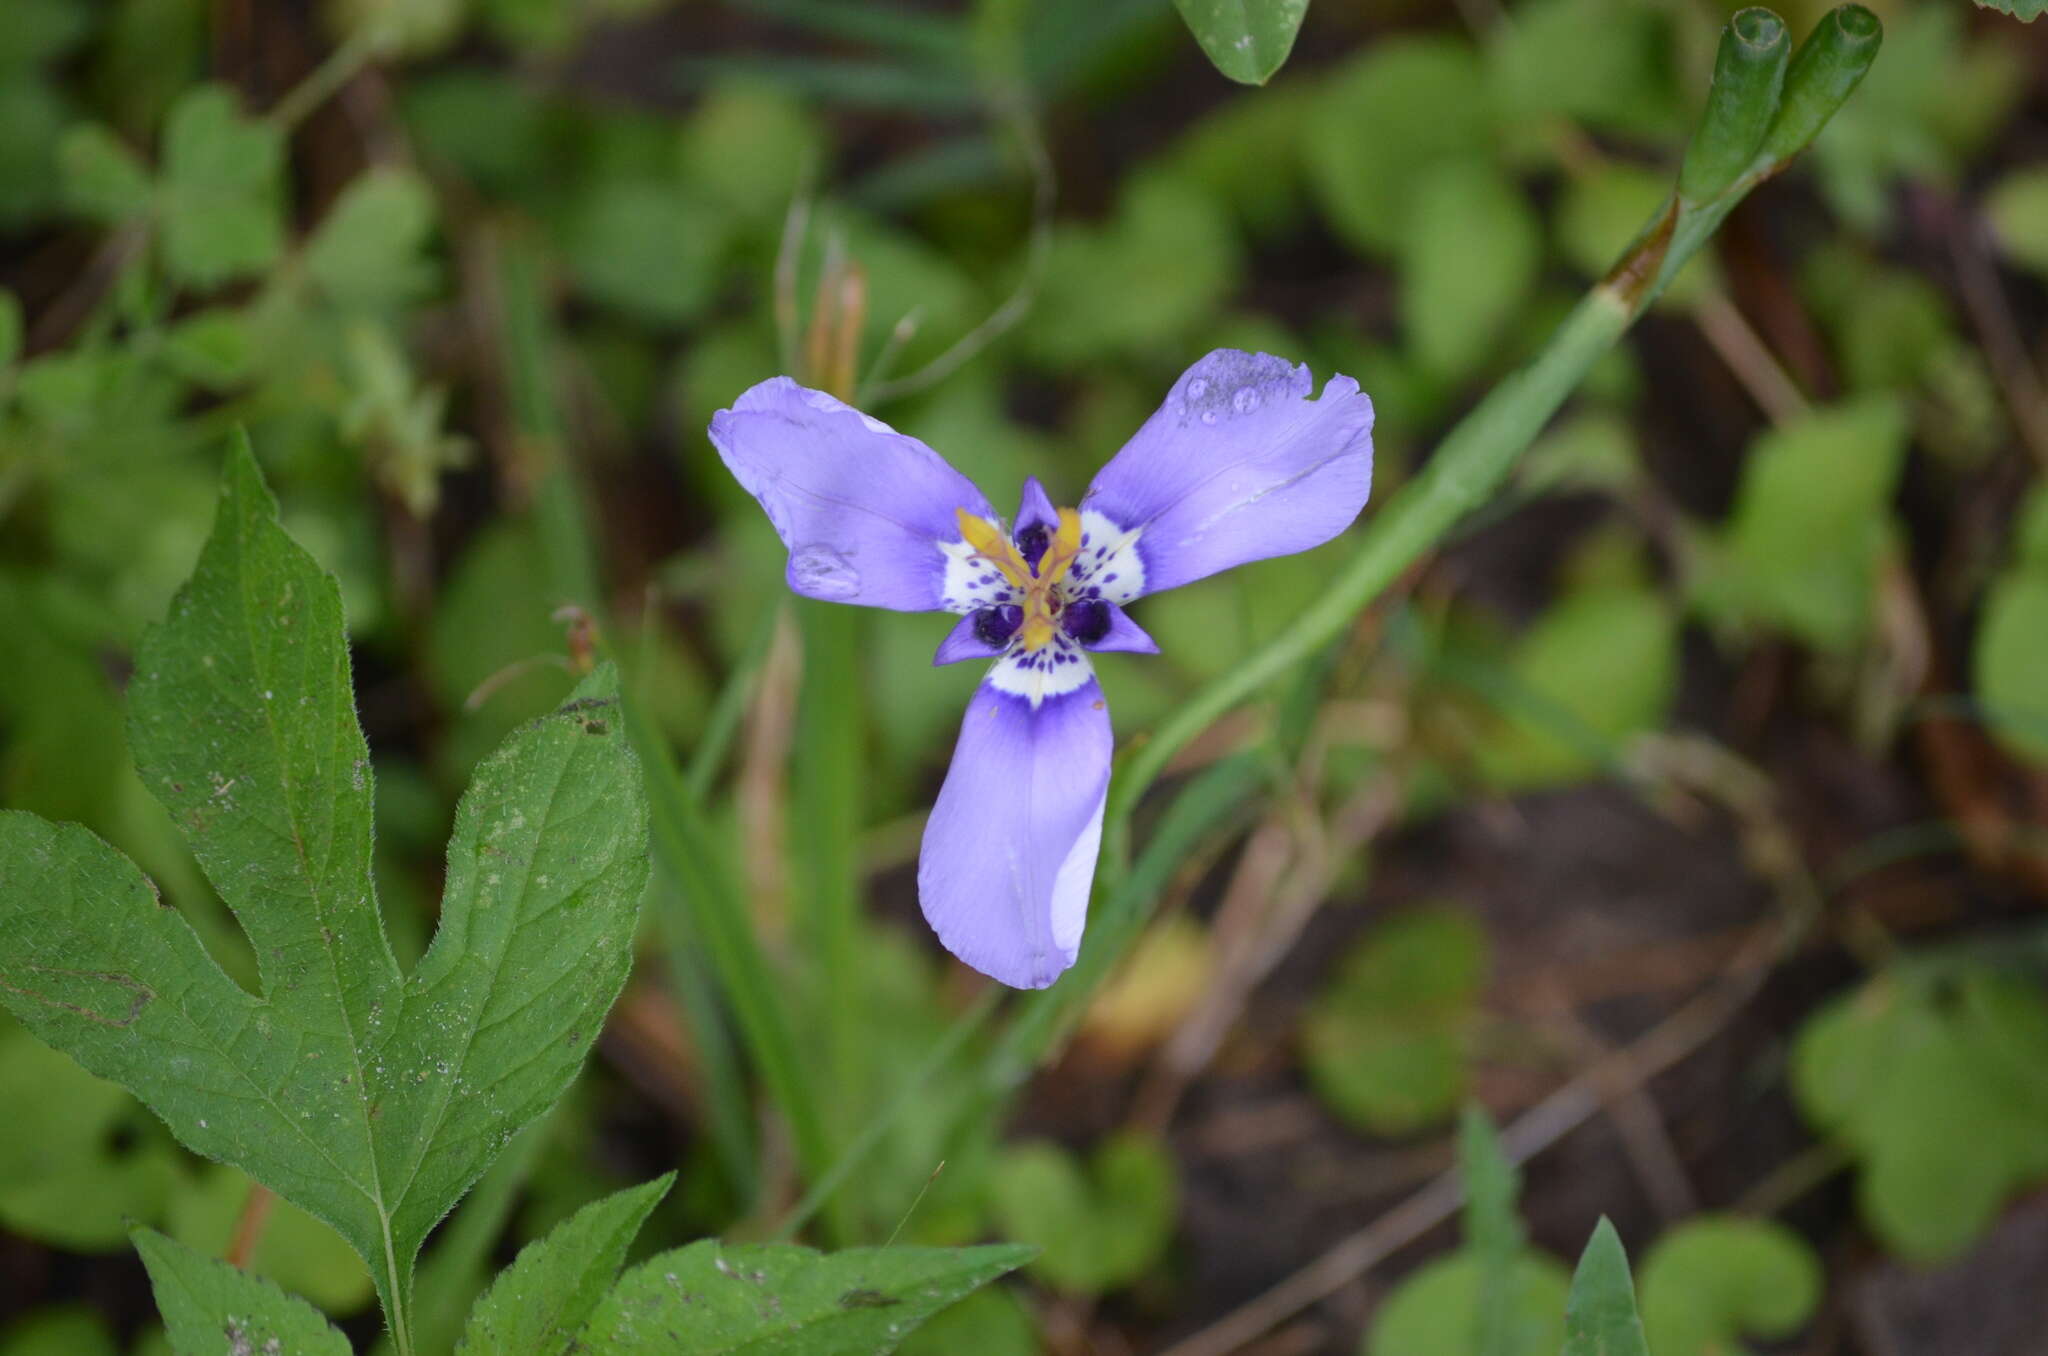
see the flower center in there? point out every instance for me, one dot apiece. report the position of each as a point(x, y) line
point(1035, 566)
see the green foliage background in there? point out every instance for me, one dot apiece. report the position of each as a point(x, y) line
point(473, 275)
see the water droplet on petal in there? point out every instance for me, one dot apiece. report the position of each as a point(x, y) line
point(1245, 401)
point(1198, 388)
point(822, 572)
point(1208, 416)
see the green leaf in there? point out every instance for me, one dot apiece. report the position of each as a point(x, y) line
point(103, 178)
point(2011, 661)
point(1493, 1231)
point(1939, 1090)
point(768, 1300)
point(223, 184)
point(648, 250)
point(1599, 668)
point(540, 1302)
point(1433, 1311)
point(369, 251)
point(1097, 1230)
point(2026, 11)
point(298, 1252)
point(2017, 207)
point(61, 1330)
point(1600, 1314)
point(1406, 106)
point(369, 1099)
point(1595, 61)
point(1385, 1043)
point(10, 328)
point(214, 349)
point(1715, 1279)
point(1810, 521)
point(1246, 39)
point(210, 1307)
point(1468, 257)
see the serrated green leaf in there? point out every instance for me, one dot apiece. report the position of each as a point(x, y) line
point(369, 251)
point(1600, 1314)
point(302, 1255)
point(1247, 40)
point(103, 178)
point(1716, 1279)
point(540, 1302)
point(709, 1299)
point(2026, 11)
point(210, 1307)
point(223, 184)
point(371, 1100)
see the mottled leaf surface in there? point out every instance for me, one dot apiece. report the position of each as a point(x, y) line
point(370, 1099)
point(213, 1309)
point(710, 1299)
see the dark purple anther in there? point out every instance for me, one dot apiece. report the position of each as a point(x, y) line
point(1086, 621)
point(1031, 544)
point(993, 626)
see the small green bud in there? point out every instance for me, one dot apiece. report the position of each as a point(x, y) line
point(1749, 73)
point(1828, 65)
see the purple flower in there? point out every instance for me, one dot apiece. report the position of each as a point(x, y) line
point(1239, 464)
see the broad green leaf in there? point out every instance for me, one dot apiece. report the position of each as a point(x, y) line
point(2030, 528)
point(210, 1307)
point(1598, 668)
point(1433, 1311)
point(989, 1322)
point(1246, 39)
point(2011, 661)
point(1096, 1230)
point(1406, 106)
point(709, 1299)
point(1385, 1043)
point(1157, 269)
point(1606, 64)
point(1468, 257)
point(223, 185)
point(1940, 1091)
point(369, 1099)
point(370, 250)
point(103, 178)
point(541, 1302)
point(1716, 1279)
point(747, 146)
point(1600, 1314)
point(648, 249)
point(1810, 521)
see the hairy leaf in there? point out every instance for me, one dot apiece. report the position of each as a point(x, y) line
point(211, 1307)
point(776, 1300)
point(370, 1099)
point(540, 1302)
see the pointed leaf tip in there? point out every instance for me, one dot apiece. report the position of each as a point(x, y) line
point(1600, 1314)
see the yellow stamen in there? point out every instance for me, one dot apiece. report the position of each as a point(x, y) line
point(991, 545)
point(1040, 601)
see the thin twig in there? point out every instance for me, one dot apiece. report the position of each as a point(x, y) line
point(1537, 1129)
point(249, 1224)
point(1749, 358)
